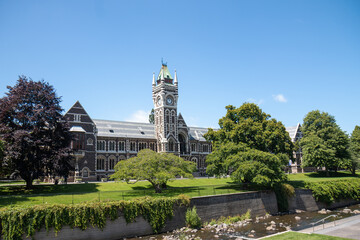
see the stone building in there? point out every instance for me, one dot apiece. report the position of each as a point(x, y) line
point(100, 144)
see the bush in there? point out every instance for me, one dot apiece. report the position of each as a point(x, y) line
point(282, 192)
point(17, 221)
point(192, 219)
point(231, 220)
point(330, 191)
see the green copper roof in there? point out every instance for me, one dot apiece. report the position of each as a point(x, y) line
point(164, 71)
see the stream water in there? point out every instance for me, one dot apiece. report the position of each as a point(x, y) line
point(256, 228)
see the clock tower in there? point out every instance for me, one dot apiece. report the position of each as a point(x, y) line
point(165, 98)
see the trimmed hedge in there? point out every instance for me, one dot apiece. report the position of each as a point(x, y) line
point(17, 221)
point(330, 191)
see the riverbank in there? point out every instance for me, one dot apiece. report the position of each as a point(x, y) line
point(260, 226)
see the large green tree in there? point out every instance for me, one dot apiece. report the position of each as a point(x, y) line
point(355, 149)
point(37, 140)
point(250, 145)
point(324, 144)
point(157, 168)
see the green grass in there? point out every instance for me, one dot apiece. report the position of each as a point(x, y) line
point(303, 236)
point(75, 193)
point(298, 179)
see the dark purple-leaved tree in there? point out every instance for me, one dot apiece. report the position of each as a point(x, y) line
point(37, 139)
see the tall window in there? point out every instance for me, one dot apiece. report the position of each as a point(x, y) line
point(101, 145)
point(152, 146)
point(79, 141)
point(171, 146)
point(142, 145)
point(193, 147)
point(121, 146)
point(112, 146)
point(112, 162)
point(205, 148)
point(100, 163)
point(133, 146)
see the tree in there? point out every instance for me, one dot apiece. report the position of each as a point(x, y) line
point(355, 149)
point(37, 140)
point(152, 117)
point(157, 168)
point(250, 145)
point(324, 144)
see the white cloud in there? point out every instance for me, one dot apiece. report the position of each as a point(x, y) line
point(258, 102)
point(280, 98)
point(139, 116)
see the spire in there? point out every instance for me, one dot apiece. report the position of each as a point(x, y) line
point(153, 82)
point(175, 78)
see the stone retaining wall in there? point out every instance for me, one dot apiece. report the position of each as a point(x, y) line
point(208, 207)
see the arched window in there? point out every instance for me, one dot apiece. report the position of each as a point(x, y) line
point(100, 163)
point(171, 146)
point(182, 143)
point(85, 173)
point(112, 162)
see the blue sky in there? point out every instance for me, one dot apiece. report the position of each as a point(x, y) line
point(290, 57)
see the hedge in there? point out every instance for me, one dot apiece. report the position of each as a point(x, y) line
point(19, 221)
point(330, 191)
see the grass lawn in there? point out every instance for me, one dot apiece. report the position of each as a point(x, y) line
point(298, 179)
point(75, 193)
point(302, 236)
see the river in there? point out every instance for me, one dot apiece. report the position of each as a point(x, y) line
point(258, 227)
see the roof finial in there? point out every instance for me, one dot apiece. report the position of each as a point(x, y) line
point(175, 78)
point(153, 82)
point(163, 63)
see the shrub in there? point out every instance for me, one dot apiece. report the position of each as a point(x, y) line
point(282, 192)
point(330, 191)
point(192, 219)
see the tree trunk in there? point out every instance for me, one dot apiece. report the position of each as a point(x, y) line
point(353, 169)
point(28, 183)
point(157, 188)
point(327, 172)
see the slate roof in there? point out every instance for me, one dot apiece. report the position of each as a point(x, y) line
point(108, 128)
point(292, 131)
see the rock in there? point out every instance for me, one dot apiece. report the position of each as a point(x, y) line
point(248, 220)
point(216, 236)
point(288, 228)
point(356, 211)
point(299, 211)
point(346, 210)
point(252, 231)
point(281, 224)
point(297, 218)
point(269, 228)
point(322, 211)
point(251, 235)
point(239, 238)
point(272, 223)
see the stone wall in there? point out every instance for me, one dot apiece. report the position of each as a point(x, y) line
point(304, 200)
point(213, 207)
point(208, 207)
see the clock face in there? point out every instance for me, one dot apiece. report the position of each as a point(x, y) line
point(169, 100)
